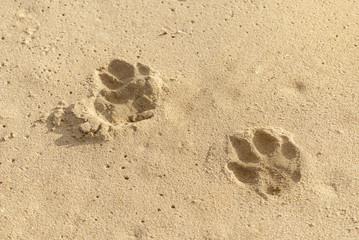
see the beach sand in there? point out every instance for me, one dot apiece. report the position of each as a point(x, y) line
point(192, 119)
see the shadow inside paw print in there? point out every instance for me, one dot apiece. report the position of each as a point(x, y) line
point(268, 160)
point(128, 93)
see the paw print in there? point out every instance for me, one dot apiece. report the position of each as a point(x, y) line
point(128, 93)
point(123, 93)
point(268, 160)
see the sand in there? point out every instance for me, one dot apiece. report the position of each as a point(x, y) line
point(206, 119)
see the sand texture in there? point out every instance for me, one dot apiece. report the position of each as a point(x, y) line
point(179, 119)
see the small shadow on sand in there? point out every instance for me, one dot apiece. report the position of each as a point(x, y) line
point(64, 122)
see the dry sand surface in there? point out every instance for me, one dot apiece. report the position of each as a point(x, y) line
point(179, 119)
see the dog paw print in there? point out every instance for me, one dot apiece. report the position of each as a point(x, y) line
point(269, 162)
point(123, 93)
point(128, 93)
